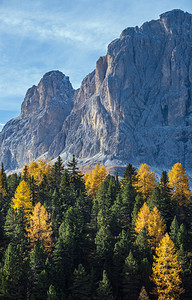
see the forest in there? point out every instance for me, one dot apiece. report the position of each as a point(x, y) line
point(67, 235)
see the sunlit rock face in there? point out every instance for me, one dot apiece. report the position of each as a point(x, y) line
point(43, 112)
point(136, 106)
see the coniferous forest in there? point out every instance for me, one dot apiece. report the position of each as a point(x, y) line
point(67, 235)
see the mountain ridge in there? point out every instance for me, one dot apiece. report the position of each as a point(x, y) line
point(136, 106)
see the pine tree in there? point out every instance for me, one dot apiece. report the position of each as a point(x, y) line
point(15, 225)
point(104, 290)
point(39, 281)
point(142, 244)
point(81, 288)
point(145, 267)
point(121, 248)
point(128, 200)
point(174, 228)
point(3, 186)
point(166, 271)
point(129, 175)
point(137, 206)
point(23, 198)
point(12, 182)
point(166, 205)
point(104, 248)
point(40, 227)
point(130, 285)
point(34, 189)
point(25, 172)
point(51, 293)
point(4, 178)
point(60, 265)
point(13, 274)
point(181, 239)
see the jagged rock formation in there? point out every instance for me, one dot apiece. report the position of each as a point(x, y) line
point(43, 112)
point(135, 107)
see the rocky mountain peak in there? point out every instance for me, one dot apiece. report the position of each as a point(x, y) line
point(136, 106)
point(53, 89)
point(177, 22)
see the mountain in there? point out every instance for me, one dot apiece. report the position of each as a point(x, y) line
point(136, 106)
point(43, 112)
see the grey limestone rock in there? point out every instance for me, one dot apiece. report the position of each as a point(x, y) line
point(43, 112)
point(136, 106)
point(140, 109)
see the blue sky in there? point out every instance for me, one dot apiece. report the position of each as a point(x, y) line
point(37, 36)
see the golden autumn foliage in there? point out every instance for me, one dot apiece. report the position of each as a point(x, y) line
point(40, 227)
point(145, 181)
point(94, 178)
point(38, 168)
point(142, 218)
point(166, 270)
point(143, 294)
point(179, 183)
point(23, 198)
point(153, 223)
point(156, 228)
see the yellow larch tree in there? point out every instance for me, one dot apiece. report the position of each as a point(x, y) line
point(145, 183)
point(94, 178)
point(156, 228)
point(142, 218)
point(179, 183)
point(166, 271)
point(38, 168)
point(23, 198)
point(40, 227)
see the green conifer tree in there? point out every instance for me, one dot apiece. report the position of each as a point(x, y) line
point(174, 228)
point(130, 284)
point(51, 293)
point(104, 290)
point(81, 288)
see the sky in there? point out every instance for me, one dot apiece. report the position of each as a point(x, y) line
point(37, 36)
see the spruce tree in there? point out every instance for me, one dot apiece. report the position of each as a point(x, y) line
point(81, 288)
point(13, 274)
point(104, 290)
point(51, 293)
point(174, 228)
point(129, 175)
point(130, 284)
point(15, 226)
point(137, 206)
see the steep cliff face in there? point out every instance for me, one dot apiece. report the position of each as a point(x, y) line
point(43, 112)
point(136, 106)
point(140, 106)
